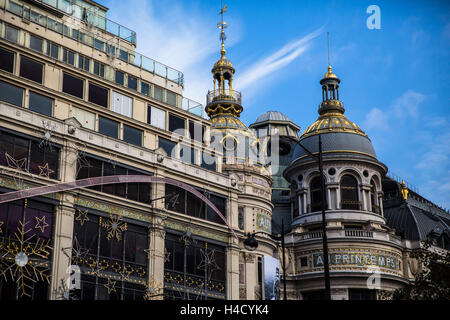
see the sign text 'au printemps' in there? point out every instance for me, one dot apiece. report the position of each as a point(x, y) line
point(357, 258)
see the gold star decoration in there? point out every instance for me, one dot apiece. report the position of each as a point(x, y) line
point(39, 225)
point(166, 255)
point(15, 164)
point(1, 223)
point(82, 216)
point(111, 286)
point(114, 226)
point(45, 171)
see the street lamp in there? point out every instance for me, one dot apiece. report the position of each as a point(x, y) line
point(326, 266)
point(251, 244)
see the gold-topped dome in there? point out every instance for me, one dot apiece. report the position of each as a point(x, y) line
point(332, 122)
point(223, 62)
point(329, 74)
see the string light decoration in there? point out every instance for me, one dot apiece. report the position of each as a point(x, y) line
point(45, 171)
point(110, 286)
point(23, 259)
point(77, 253)
point(41, 224)
point(20, 164)
point(63, 292)
point(47, 140)
point(82, 216)
point(114, 226)
point(153, 289)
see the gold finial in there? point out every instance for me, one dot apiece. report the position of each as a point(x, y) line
point(329, 73)
point(222, 26)
point(404, 190)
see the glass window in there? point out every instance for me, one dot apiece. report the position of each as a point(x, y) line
point(196, 131)
point(187, 154)
point(145, 88)
point(12, 34)
point(167, 145)
point(35, 43)
point(176, 123)
point(108, 127)
point(31, 69)
point(120, 78)
point(83, 62)
point(158, 93)
point(99, 44)
point(156, 117)
point(98, 95)
point(132, 135)
point(208, 161)
point(171, 98)
point(349, 193)
point(132, 82)
point(99, 69)
point(122, 104)
point(68, 57)
point(11, 94)
point(40, 103)
point(7, 60)
point(52, 50)
point(73, 85)
point(316, 194)
point(123, 55)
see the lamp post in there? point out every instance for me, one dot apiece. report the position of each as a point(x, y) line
point(326, 265)
point(251, 244)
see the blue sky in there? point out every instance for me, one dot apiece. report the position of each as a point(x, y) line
point(394, 81)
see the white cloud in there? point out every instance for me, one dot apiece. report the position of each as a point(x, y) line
point(377, 119)
point(407, 105)
point(275, 61)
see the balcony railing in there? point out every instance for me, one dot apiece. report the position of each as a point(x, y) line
point(310, 235)
point(359, 233)
point(95, 18)
point(223, 95)
point(98, 43)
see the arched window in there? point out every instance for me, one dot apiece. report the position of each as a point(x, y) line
point(316, 194)
point(349, 193)
point(373, 197)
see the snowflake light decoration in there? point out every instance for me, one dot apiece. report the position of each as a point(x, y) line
point(114, 226)
point(77, 253)
point(63, 292)
point(46, 141)
point(23, 259)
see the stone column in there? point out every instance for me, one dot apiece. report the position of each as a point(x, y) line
point(156, 255)
point(64, 219)
point(250, 275)
point(233, 272)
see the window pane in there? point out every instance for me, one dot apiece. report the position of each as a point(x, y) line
point(158, 93)
point(12, 34)
point(167, 145)
point(99, 44)
point(73, 85)
point(53, 50)
point(99, 69)
point(196, 131)
point(145, 89)
point(187, 154)
point(132, 135)
point(40, 104)
point(108, 127)
point(171, 98)
point(157, 117)
point(119, 78)
point(69, 57)
point(31, 69)
point(208, 161)
point(11, 94)
point(176, 123)
point(132, 82)
point(98, 95)
point(123, 55)
point(7, 60)
point(122, 104)
point(35, 43)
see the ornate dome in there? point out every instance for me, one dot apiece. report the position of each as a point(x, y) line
point(339, 135)
point(272, 116)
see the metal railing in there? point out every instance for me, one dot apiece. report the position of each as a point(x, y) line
point(310, 235)
point(94, 17)
point(359, 233)
point(97, 42)
point(223, 95)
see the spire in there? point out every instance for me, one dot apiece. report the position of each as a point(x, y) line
point(223, 99)
point(330, 90)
